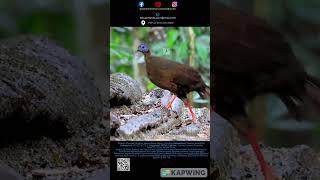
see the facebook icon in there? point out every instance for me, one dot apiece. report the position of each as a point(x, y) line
point(141, 4)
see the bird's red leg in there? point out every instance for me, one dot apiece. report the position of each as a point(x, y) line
point(171, 101)
point(191, 111)
point(265, 168)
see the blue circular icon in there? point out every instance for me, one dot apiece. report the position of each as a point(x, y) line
point(141, 4)
point(157, 14)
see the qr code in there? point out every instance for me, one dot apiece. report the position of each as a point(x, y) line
point(123, 164)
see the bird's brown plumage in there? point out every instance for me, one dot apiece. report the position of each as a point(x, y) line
point(178, 78)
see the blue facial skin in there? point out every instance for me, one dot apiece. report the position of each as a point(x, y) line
point(143, 48)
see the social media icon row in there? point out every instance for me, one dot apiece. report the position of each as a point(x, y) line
point(158, 4)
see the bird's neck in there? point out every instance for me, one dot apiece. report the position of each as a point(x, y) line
point(147, 55)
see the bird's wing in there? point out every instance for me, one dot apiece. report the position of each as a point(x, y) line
point(187, 76)
point(178, 73)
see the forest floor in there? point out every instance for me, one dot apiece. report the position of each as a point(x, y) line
point(149, 119)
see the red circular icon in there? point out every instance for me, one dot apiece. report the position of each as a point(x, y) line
point(157, 4)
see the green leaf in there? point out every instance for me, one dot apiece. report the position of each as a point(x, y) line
point(172, 37)
point(125, 69)
point(182, 52)
point(129, 40)
point(151, 86)
point(197, 30)
point(120, 54)
point(115, 53)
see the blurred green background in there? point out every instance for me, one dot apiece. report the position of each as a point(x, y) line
point(299, 21)
point(188, 45)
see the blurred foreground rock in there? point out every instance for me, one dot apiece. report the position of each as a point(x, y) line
point(51, 120)
point(44, 90)
point(298, 162)
point(224, 148)
point(7, 173)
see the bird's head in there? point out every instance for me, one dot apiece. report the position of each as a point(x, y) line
point(143, 48)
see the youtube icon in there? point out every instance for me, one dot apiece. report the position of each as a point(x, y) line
point(157, 4)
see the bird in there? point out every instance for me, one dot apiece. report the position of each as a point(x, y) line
point(180, 79)
point(250, 59)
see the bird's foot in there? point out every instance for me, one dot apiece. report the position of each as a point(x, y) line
point(194, 119)
point(169, 105)
point(193, 115)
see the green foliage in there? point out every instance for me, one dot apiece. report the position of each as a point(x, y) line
point(172, 37)
point(203, 48)
point(58, 26)
point(151, 85)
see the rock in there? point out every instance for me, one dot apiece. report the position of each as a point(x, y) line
point(157, 93)
point(102, 175)
point(123, 90)
point(148, 119)
point(153, 97)
point(44, 90)
point(202, 114)
point(8, 173)
point(165, 97)
point(67, 173)
point(298, 162)
point(191, 130)
point(148, 100)
point(86, 150)
point(45, 173)
point(177, 104)
point(114, 121)
point(194, 129)
point(224, 147)
point(105, 122)
point(140, 123)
